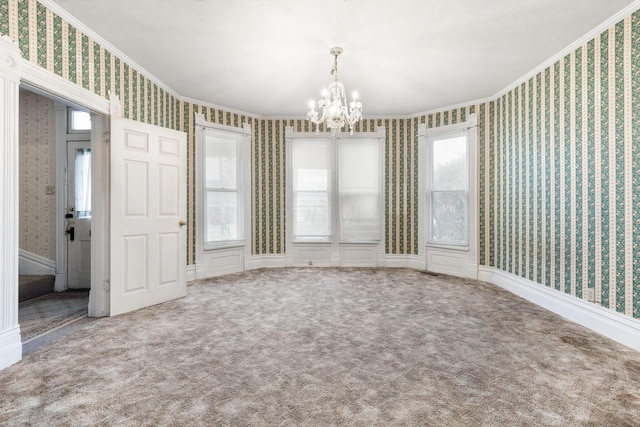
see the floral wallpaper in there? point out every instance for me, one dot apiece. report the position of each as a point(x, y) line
point(37, 170)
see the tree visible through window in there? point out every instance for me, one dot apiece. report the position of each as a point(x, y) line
point(448, 190)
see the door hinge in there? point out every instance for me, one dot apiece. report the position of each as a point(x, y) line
point(106, 285)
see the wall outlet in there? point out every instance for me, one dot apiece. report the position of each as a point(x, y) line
point(50, 189)
point(310, 262)
point(591, 294)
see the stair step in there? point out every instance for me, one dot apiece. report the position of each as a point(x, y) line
point(33, 286)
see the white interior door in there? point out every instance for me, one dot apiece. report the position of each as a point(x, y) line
point(78, 218)
point(148, 209)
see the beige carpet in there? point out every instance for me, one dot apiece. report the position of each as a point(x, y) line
point(329, 347)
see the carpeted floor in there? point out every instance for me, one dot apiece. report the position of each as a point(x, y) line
point(329, 347)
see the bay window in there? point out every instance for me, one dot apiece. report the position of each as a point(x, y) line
point(335, 198)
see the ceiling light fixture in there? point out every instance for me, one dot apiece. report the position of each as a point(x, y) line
point(334, 103)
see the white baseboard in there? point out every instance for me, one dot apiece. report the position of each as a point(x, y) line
point(191, 272)
point(30, 263)
point(615, 326)
point(10, 347)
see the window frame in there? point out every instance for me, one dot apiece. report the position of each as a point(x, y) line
point(429, 190)
point(336, 228)
point(70, 129)
point(243, 186)
point(426, 249)
point(329, 191)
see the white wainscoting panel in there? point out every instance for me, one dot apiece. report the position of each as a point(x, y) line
point(455, 263)
point(312, 255)
point(358, 255)
point(219, 262)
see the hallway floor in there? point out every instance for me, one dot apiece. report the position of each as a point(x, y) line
point(41, 317)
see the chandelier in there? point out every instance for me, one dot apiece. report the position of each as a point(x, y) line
point(334, 103)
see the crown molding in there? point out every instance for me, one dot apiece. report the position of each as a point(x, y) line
point(55, 8)
point(453, 107)
point(619, 16)
point(221, 107)
point(58, 10)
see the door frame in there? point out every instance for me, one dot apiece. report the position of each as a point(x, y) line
point(63, 92)
point(14, 72)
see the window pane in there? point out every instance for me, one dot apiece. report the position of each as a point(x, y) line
point(222, 216)
point(360, 216)
point(311, 190)
point(82, 184)
point(448, 209)
point(221, 162)
point(359, 189)
point(311, 213)
point(312, 179)
point(80, 120)
point(450, 163)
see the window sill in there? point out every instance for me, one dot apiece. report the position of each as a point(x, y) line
point(452, 247)
point(313, 242)
point(224, 245)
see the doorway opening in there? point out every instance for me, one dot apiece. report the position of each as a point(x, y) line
point(55, 220)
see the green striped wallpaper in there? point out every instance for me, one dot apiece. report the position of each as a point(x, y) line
point(559, 156)
point(559, 173)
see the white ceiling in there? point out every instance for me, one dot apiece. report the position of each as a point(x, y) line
point(270, 57)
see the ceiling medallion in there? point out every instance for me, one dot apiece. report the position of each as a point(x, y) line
point(334, 104)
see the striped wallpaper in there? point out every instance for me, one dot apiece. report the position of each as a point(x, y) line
point(559, 157)
point(560, 173)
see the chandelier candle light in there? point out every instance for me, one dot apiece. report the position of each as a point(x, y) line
point(334, 103)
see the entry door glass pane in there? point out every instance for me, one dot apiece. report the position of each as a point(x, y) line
point(83, 183)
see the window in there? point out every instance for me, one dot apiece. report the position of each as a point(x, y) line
point(82, 177)
point(312, 183)
point(448, 189)
point(223, 153)
point(359, 189)
point(222, 164)
point(336, 189)
point(79, 121)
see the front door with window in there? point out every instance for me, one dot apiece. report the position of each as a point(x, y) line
point(78, 217)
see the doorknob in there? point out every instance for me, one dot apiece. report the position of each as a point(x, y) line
point(182, 223)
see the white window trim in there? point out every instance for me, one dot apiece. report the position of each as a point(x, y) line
point(437, 135)
point(245, 133)
point(465, 256)
point(335, 248)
